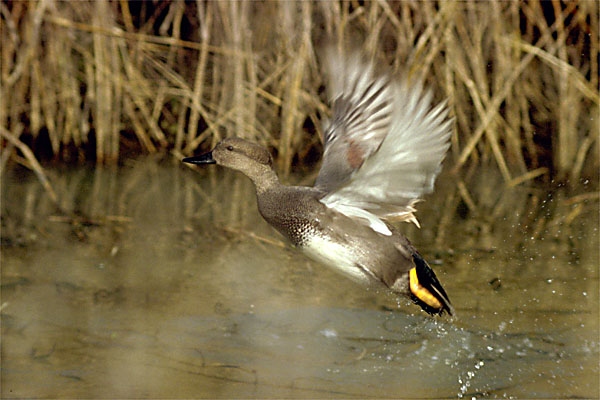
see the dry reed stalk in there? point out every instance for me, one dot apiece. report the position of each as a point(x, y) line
point(237, 12)
point(431, 42)
point(591, 196)
point(492, 109)
point(138, 126)
point(133, 37)
point(34, 165)
point(527, 177)
point(505, 57)
point(568, 113)
point(205, 14)
point(294, 79)
point(445, 222)
point(521, 78)
point(466, 196)
point(102, 85)
point(575, 77)
point(582, 155)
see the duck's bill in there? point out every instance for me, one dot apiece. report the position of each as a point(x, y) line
point(426, 290)
point(205, 158)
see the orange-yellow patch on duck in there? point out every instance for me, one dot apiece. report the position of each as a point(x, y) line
point(422, 293)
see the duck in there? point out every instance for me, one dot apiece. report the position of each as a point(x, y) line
point(382, 150)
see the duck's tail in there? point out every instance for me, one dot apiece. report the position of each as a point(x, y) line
point(426, 290)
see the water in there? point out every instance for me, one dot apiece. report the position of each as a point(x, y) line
point(169, 285)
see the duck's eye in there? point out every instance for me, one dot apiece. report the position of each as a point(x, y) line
point(230, 148)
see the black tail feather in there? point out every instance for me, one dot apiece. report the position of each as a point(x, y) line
point(429, 281)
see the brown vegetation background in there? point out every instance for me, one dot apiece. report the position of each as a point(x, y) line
point(102, 81)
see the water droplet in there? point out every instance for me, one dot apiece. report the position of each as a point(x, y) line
point(329, 333)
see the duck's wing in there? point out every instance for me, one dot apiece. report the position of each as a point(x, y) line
point(362, 112)
point(403, 165)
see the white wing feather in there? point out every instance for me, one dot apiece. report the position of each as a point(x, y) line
point(403, 168)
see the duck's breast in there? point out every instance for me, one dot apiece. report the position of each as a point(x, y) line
point(339, 256)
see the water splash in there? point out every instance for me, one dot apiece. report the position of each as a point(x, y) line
point(465, 379)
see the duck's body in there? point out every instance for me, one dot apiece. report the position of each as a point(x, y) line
point(382, 152)
point(332, 238)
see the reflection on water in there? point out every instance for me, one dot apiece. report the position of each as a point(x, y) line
point(168, 284)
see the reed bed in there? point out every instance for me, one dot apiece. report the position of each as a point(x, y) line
point(101, 81)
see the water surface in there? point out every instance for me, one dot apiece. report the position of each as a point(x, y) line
point(168, 284)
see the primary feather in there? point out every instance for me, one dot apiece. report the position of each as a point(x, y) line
point(384, 147)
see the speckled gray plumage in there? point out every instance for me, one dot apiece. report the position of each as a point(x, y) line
point(292, 211)
point(297, 214)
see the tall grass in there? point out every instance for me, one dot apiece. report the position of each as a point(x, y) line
point(99, 80)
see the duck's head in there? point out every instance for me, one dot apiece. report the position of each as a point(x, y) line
point(249, 158)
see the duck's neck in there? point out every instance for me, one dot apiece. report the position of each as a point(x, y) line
point(264, 179)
